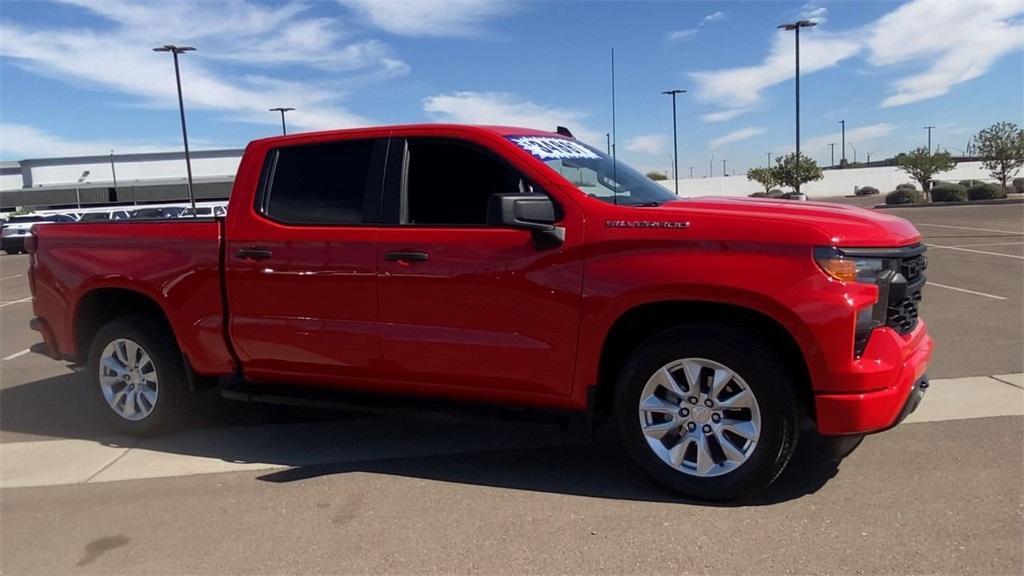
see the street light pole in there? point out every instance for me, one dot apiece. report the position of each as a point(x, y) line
point(795, 28)
point(854, 152)
point(832, 150)
point(929, 129)
point(711, 166)
point(175, 50)
point(675, 136)
point(769, 159)
point(608, 142)
point(284, 131)
point(842, 161)
point(691, 172)
point(724, 173)
point(869, 155)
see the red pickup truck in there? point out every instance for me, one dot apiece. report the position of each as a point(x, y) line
point(502, 266)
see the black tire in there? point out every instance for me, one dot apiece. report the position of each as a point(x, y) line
point(12, 251)
point(174, 395)
point(751, 359)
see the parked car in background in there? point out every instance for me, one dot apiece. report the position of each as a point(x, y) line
point(17, 228)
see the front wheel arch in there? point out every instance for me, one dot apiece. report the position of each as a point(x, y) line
point(642, 322)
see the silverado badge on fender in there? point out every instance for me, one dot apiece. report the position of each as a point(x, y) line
point(644, 224)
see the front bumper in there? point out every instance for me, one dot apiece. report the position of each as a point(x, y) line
point(888, 403)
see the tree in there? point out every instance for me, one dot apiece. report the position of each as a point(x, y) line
point(655, 175)
point(764, 176)
point(1001, 147)
point(791, 170)
point(921, 165)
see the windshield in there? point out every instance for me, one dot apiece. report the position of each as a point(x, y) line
point(594, 172)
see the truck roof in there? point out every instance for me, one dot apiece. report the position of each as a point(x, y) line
point(431, 128)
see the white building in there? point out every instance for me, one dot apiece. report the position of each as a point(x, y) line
point(116, 179)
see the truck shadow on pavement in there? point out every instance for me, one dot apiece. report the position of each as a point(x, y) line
point(312, 443)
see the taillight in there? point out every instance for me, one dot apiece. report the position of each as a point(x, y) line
point(30, 241)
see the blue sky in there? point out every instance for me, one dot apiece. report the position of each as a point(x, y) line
point(79, 76)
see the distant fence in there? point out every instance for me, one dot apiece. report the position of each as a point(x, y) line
point(839, 182)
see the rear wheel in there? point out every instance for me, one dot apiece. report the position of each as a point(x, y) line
point(708, 411)
point(137, 376)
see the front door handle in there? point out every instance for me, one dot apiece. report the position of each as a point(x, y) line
point(254, 253)
point(407, 256)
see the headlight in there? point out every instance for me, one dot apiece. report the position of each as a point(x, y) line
point(850, 269)
point(865, 269)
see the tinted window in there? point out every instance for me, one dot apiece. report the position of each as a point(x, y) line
point(320, 184)
point(451, 182)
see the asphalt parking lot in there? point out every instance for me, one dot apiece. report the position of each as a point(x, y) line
point(249, 489)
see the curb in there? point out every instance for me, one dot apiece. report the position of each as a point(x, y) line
point(950, 204)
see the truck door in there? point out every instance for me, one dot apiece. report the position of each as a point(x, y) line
point(300, 265)
point(464, 304)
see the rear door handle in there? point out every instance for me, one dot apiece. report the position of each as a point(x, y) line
point(254, 253)
point(407, 256)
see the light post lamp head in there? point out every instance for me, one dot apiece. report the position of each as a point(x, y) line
point(174, 49)
point(797, 24)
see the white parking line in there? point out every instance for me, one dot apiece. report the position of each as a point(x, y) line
point(2, 304)
point(15, 355)
point(937, 285)
point(1018, 233)
point(13, 276)
point(976, 251)
point(990, 244)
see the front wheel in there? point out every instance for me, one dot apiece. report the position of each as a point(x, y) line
point(708, 411)
point(137, 376)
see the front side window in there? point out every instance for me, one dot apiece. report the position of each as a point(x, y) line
point(594, 172)
point(319, 183)
point(450, 183)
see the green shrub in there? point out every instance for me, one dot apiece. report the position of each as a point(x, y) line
point(949, 192)
point(759, 195)
point(904, 196)
point(985, 192)
point(866, 191)
point(776, 193)
point(907, 186)
point(967, 183)
point(1018, 185)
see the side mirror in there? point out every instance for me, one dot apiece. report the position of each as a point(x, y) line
point(529, 211)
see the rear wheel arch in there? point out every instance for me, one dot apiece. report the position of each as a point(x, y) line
point(642, 322)
point(102, 305)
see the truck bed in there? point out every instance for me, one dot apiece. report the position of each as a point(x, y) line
point(174, 263)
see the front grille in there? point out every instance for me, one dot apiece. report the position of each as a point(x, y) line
point(905, 290)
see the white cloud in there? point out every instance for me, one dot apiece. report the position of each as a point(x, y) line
point(862, 134)
point(723, 115)
point(506, 109)
point(736, 136)
point(681, 35)
point(252, 37)
point(446, 18)
point(814, 13)
point(965, 41)
point(20, 141)
point(713, 17)
point(741, 87)
point(647, 143)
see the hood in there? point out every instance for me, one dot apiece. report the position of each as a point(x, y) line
point(836, 224)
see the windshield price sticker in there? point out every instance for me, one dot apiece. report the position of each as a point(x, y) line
point(554, 148)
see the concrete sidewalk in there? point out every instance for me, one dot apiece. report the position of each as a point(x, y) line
point(210, 451)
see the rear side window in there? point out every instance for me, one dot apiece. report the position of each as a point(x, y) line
point(320, 183)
